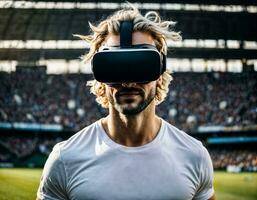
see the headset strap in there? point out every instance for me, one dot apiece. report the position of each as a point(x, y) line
point(126, 30)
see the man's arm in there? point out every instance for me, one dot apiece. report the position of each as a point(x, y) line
point(205, 190)
point(53, 180)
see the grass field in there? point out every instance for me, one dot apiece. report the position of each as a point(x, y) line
point(21, 184)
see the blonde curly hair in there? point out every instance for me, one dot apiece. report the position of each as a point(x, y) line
point(151, 23)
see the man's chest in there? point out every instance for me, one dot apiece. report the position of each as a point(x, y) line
point(133, 178)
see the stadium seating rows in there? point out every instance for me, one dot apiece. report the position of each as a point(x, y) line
point(195, 99)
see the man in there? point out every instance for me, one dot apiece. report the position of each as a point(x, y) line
point(131, 153)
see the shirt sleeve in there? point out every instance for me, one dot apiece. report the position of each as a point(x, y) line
point(53, 180)
point(205, 189)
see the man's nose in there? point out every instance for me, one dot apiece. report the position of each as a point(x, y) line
point(128, 84)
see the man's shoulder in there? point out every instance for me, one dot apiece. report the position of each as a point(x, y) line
point(79, 141)
point(183, 140)
point(181, 135)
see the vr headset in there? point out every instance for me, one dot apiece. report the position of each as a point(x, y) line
point(128, 63)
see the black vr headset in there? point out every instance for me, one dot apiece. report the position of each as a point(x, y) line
point(128, 63)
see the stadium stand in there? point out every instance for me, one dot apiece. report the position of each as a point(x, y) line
point(245, 159)
point(195, 99)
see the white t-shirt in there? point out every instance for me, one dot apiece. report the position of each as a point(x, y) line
point(89, 165)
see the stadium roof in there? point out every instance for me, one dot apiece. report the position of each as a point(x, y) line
point(208, 2)
point(25, 22)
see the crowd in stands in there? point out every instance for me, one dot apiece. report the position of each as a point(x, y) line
point(198, 99)
point(246, 160)
point(195, 99)
point(53, 99)
point(5, 157)
point(20, 146)
point(46, 146)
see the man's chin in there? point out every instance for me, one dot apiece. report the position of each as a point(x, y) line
point(130, 109)
point(131, 112)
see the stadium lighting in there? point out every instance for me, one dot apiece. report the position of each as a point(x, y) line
point(233, 44)
point(173, 6)
point(78, 44)
point(112, 6)
point(178, 64)
point(221, 44)
point(190, 43)
point(251, 9)
point(235, 66)
point(216, 65)
point(253, 62)
point(192, 7)
point(250, 45)
point(40, 44)
point(198, 65)
point(8, 65)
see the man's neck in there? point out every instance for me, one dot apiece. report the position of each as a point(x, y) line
point(132, 130)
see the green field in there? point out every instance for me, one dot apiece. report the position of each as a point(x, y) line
point(21, 184)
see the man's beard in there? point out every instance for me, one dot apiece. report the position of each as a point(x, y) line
point(131, 106)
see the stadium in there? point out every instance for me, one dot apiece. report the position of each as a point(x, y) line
point(44, 98)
